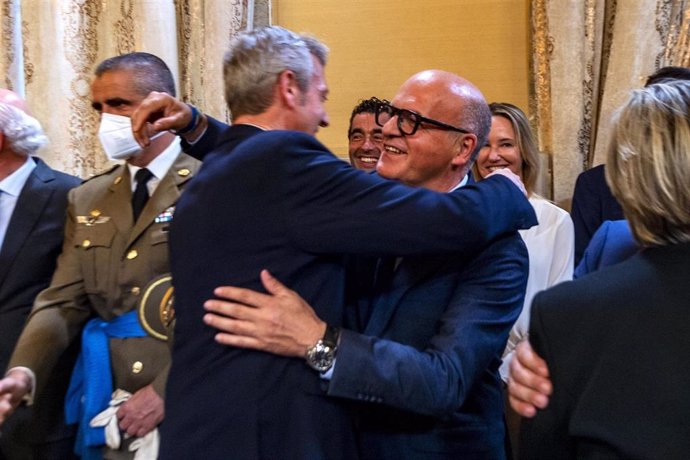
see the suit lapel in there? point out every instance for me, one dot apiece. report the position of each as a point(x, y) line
point(165, 196)
point(27, 213)
point(410, 272)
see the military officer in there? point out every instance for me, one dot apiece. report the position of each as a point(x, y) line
point(115, 243)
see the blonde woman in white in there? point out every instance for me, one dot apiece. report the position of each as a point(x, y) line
point(551, 244)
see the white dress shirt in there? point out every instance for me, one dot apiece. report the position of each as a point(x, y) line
point(10, 188)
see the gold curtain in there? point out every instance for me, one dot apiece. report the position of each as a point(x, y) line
point(586, 57)
point(49, 48)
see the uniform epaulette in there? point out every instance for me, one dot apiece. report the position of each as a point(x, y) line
point(101, 173)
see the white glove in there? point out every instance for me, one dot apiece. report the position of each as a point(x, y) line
point(146, 447)
point(108, 419)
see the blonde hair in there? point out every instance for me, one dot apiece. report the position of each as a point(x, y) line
point(648, 163)
point(524, 139)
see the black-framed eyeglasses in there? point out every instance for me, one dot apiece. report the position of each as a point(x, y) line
point(408, 121)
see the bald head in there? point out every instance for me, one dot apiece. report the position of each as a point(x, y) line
point(11, 98)
point(439, 123)
point(451, 96)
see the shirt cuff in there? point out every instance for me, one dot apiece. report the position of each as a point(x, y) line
point(28, 398)
point(328, 375)
point(193, 137)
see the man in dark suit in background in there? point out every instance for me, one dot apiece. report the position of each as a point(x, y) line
point(282, 201)
point(424, 354)
point(33, 200)
point(593, 204)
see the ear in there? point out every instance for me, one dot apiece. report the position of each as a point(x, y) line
point(463, 149)
point(288, 89)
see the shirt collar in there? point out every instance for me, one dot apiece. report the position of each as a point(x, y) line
point(462, 183)
point(14, 183)
point(159, 166)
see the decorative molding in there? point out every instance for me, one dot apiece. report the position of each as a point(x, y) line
point(80, 22)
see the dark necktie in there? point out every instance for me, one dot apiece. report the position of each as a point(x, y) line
point(141, 193)
point(385, 271)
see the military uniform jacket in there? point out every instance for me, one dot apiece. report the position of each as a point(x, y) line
point(106, 262)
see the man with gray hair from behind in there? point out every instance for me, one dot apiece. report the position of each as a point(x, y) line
point(33, 200)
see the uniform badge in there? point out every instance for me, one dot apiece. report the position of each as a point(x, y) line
point(156, 311)
point(165, 216)
point(92, 219)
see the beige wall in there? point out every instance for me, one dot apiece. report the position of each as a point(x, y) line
point(376, 44)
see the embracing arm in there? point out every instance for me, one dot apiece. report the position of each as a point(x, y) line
point(472, 335)
point(469, 340)
point(329, 207)
point(162, 112)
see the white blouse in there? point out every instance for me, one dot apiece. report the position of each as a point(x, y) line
point(551, 249)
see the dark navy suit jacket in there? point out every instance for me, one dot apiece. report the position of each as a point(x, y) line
point(593, 203)
point(426, 364)
point(27, 262)
point(612, 243)
point(281, 201)
point(617, 346)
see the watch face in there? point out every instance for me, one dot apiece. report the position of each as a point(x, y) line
point(320, 356)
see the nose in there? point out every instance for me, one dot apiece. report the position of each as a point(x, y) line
point(390, 128)
point(493, 154)
point(369, 144)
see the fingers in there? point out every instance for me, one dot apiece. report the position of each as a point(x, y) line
point(241, 295)
point(272, 285)
point(158, 112)
point(526, 395)
point(522, 408)
point(230, 325)
point(153, 104)
point(6, 407)
point(141, 413)
point(529, 359)
point(235, 333)
point(529, 386)
point(514, 178)
point(239, 341)
point(230, 309)
point(12, 390)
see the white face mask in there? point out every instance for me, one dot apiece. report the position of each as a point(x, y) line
point(117, 138)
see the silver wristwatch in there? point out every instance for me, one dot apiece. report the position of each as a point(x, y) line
point(321, 355)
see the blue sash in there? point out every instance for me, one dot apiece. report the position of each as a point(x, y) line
point(91, 386)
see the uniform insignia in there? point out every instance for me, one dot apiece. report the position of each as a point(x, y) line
point(156, 311)
point(165, 216)
point(92, 219)
point(184, 172)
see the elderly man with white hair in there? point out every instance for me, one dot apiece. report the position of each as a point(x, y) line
point(33, 200)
